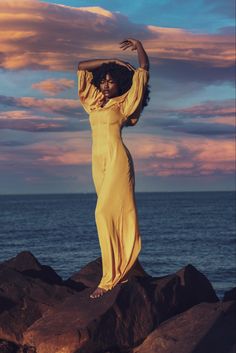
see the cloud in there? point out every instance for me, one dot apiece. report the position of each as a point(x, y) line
point(210, 109)
point(179, 44)
point(53, 86)
point(172, 156)
point(31, 123)
point(215, 119)
point(71, 148)
point(27, 120)
point(204, 129)
point(153, 155)
point(41, 115)
point(54, 37)
point(191, 71)
point(66, 107)
point(224, 120)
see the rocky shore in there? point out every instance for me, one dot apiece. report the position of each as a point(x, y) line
point(176, 313)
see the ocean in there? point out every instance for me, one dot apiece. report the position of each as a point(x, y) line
point(177, 229)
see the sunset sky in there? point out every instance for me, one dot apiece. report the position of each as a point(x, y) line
point(184, 140)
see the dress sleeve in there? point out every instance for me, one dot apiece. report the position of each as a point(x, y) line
point(131, 105)
point(87, 92)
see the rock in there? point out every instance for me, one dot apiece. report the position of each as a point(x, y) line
point(5, 303)
point(180, 312)
point(204, 328)
point(230, 295)
point(178, 292)
point(27, 264)
point(25, 295)
point(96, 323)
point(121, 318)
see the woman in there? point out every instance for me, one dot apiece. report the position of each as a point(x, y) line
point(114, 93)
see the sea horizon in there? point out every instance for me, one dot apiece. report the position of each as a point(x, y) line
point(136, 192)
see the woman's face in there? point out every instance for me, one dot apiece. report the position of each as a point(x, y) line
point(109, 87)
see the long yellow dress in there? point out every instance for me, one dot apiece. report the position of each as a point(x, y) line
point(113, 174)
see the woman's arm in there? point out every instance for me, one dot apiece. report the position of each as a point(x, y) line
point(95, 63)
point(137, 45)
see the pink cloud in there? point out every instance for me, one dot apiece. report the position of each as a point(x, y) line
point(163, 156)
point(55, 37)
point(73, 149)
point(211, 108)
point(53, 86)
point(46, 105)
point(209, 118)
point(153, 155)
point(224, 120)
point(24, 115)
point(27, 120)
point(179, 44)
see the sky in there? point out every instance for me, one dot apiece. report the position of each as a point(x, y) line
point(185, 137)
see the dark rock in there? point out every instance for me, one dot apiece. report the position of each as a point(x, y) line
point(25, 298)
point(27, 264)
point(121, 318)
point(230, 295)
point(204, 328)
point(197, 288)
point(5, 303)
point(176, 293)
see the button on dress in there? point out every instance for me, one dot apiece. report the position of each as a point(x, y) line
point(113, 174)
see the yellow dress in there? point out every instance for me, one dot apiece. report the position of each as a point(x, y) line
point(113, 174)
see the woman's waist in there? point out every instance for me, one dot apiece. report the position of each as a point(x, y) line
point(107, 141)
point(103, 134)
point(112, 153)
point(108, 146)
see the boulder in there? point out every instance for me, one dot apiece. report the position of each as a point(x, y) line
point(24, 296)
point(204, 328)
point(121, 318)
point(27, 264)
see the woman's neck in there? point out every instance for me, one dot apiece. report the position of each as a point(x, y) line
point(106, 100)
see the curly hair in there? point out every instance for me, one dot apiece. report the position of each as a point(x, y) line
point(123, 76)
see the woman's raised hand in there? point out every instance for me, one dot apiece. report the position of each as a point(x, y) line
point(135, 44)
point(129, 43)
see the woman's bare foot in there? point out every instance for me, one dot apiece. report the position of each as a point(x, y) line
point(98, 292)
